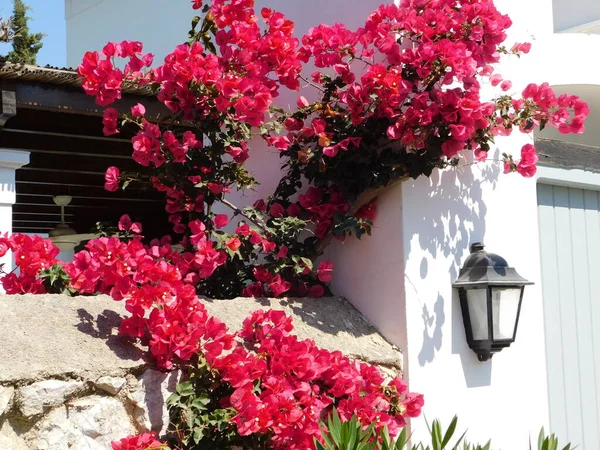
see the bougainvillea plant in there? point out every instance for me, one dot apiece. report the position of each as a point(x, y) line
point(259, 388)
point(399, 97)
point(396, 98)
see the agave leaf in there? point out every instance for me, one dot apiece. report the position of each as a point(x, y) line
point(318, 445)
point(449, 432)
point(541, 439)
point(436, 435)
point(460, 439)
point(335, 428)
point(401, 441)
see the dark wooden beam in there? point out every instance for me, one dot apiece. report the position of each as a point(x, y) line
point(79, 199)
point(32, 230)
point(97, 172)
point(87, 202)
point(59, 177)
point(8, 105)
point(84, 191)
point(79, 163)
point(72, 99)
point(96, 213)
point(41, 216)
point(64, 144)
point(568, 155)
point(39, 223)
point(39, 209)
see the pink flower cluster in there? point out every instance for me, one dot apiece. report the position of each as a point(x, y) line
point(415, 86)
point(283, 386)
point(154, 279)
point(102, 79)
point(241, 79)
point(32, 254)
point(526, 165)
point(449, 44)
point(567, 113)
point(420, 88)
point(146, 441)
point(298, 383)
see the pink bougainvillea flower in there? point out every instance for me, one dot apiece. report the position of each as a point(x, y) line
point(277, 210)
point(278, 286)
point(496, 79)
point(368, 211)
point(325, 271)
point(109, 120)
point(233, 244)
point(138, 110)
point(4, 246)
point(521, 48)
point(216, 188)
point(221, 220)
point(111, 179)
point(146, 441)
point(197, 4)
point(506, 85)
point(527, 165)
point(302, 102)
point(125, 224)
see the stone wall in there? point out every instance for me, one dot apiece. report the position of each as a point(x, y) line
point(67, 381)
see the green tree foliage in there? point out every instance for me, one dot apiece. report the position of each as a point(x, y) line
point(25, 45)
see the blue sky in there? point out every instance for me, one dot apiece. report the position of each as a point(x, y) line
point(48, 17)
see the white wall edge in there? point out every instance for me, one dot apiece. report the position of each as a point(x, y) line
point(568, 177)
point(13, 159)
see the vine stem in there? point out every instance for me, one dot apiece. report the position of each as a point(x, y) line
point(310, 83)
point(259, 223)
point(366, 197)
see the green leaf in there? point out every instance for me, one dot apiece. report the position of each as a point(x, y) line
point(449, 432)
point(201, 402)
point(318, 445)
point(436, 435)
point(541, 439)
point(173, 398)
point(198, 434)
point(401, 441)
point(185, 389)
point(335, 428)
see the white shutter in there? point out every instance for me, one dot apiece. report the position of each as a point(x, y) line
point(570, 252)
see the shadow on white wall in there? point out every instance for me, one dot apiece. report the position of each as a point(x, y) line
point(440, 226)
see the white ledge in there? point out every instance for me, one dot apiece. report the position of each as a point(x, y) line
point(586, 28)
point(13, 159)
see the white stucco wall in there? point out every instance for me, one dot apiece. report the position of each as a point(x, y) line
point(505, 399)
point(572, 13)
point(10, 161)
point(400, 278)
point(163, 24)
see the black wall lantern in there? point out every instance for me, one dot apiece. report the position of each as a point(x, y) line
point(490, 299)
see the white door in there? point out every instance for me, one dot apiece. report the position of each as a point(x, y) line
point(570, 252)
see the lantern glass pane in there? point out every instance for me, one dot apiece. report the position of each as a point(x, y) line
point(477, 301)
point(505, 307)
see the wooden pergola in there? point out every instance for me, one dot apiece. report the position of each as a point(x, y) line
point(45, 112)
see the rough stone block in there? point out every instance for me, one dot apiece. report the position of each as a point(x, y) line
point(112, 385)
point(10, 440)
point(333, 323)
point(6, 395)
point(49, 336)
point(86, 423)
point(150, 397)
point(38, 398)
